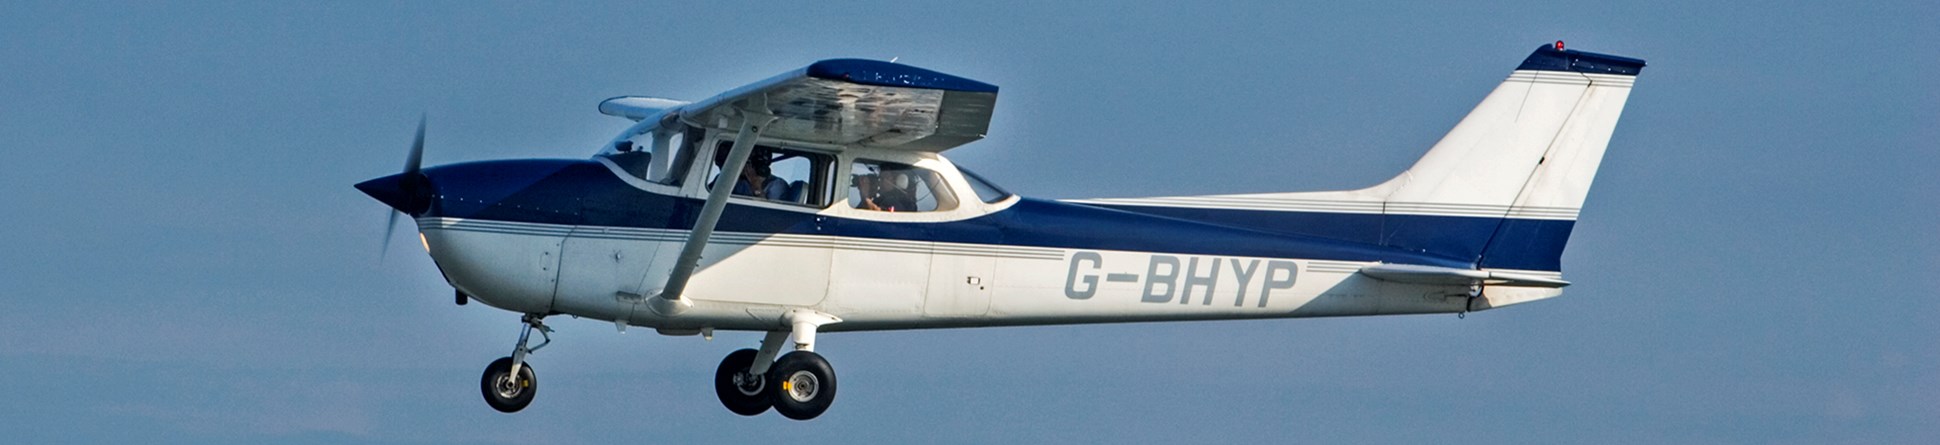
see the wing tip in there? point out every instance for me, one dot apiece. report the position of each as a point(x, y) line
point(881, 73)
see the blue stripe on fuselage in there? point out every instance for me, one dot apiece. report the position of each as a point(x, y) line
point(1501, 243)
point(576, 192)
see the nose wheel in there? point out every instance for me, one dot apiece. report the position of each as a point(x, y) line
point(507, 390)
point(509, 382)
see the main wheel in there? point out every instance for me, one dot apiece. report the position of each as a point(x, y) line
point(505, 393)
point(741, 392)
point(804, 385)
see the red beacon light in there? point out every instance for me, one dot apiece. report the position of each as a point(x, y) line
point(1559, 45)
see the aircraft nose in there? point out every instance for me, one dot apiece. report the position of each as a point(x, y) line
point(407, 192)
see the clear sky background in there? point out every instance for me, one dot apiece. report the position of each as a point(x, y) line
point(184, 260)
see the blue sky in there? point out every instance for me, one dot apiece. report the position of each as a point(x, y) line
point(186, 262)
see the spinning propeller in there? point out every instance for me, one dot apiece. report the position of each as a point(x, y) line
point(407, 192)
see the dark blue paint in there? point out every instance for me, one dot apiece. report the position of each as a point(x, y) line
point(880, 73)
point(1528, 244)
point(1548, 58)
point(1493, 242)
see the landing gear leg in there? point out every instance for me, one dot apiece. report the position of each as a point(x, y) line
point(509, 383)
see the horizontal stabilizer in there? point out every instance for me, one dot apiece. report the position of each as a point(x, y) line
point(1413, 274)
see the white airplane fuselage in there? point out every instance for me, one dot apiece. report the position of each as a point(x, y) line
point(854, 264)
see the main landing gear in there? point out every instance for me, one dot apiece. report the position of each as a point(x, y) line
point(800, 385)
point(509, 383)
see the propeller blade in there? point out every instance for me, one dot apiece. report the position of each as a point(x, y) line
point(390, 225)
point(412, 163)
point(417, 149)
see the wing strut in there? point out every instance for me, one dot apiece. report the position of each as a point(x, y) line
point(670, 301)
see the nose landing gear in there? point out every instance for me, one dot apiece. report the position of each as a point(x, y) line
point(506, 390)
point(509, 382)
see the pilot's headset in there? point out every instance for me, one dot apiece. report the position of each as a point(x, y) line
point(760, 158)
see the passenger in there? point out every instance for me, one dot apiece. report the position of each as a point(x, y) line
point(865, 187)
point(893, 193)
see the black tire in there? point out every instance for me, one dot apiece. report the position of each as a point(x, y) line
point(504, 394)
point(749, 395)
point(803, 385)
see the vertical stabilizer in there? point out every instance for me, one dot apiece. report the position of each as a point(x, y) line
point(1502, 189)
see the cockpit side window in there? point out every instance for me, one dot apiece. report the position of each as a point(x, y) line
point(896, 187)
point(779, 174)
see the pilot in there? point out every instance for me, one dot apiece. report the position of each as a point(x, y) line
point(756, 178)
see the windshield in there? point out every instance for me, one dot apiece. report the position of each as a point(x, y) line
point(656, 155)
point(986, 191)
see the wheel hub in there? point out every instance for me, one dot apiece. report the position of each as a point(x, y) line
point(749, 384)
point(508, 386)
point(801, 386)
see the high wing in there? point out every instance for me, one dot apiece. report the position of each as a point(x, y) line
point(1414, 274)
point(846, 102)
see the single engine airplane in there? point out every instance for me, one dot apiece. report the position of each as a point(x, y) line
point(818, 200)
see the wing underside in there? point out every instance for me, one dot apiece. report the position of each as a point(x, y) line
point(843, 102)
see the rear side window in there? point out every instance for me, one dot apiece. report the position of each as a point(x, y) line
point(896, 187)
